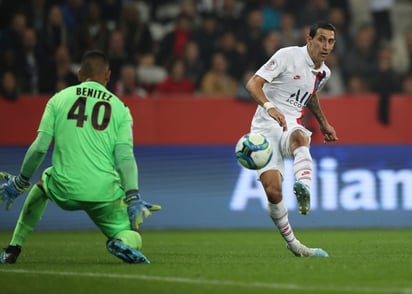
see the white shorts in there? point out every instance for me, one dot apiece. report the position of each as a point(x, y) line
point(280, 143)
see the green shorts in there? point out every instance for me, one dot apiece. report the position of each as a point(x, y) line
point(110, 217)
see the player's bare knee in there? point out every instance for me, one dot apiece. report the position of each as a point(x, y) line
point(273, 193)
point(298, 138)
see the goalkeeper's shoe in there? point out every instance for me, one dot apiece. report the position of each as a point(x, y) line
point(301, 250)
point(124, 252)
point(9, 256)
point(151, 206)
point(303, 196)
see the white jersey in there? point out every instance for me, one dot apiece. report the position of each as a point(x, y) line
point(292, 81)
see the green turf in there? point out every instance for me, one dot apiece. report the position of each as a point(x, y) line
point(361, 261)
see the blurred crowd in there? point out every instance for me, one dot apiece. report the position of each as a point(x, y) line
point(188, 47)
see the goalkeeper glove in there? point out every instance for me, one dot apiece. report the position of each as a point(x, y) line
point(136, 209)
point(14, 187)
point(151, 206)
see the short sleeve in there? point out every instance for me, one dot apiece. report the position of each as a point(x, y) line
point(273, 67)
point(48, 119)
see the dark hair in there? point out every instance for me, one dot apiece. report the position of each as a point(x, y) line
point(94, 62)
point(94, 54)
point(321, 25)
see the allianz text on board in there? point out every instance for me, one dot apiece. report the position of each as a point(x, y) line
point(336, 189)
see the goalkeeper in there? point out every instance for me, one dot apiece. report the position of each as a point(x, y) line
point(93, 165)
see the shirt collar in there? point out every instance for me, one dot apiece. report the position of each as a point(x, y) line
point(309, 60)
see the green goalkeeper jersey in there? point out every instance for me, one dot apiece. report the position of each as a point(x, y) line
point(87, 122)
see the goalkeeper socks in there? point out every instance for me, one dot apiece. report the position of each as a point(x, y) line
point(302, 165)
point(279, 214)
point(30, 215)
point(130, 238)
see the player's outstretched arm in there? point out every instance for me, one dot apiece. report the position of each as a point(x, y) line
point(328, 131)
point(16, 185)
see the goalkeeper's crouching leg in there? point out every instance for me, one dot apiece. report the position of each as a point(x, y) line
point(10, 254)
point(126, 245)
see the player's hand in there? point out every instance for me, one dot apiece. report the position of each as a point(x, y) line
point(279, 117)
point(151, 206)
point(14, 187)
point(136, 209)
point(329, 133)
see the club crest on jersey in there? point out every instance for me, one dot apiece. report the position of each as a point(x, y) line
point(297, 77)
point(270, 65)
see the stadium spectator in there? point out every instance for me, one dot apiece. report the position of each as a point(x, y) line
point(361, 57)
point(291, 74)
point(381, 17)
point(8, 88)
point(207, 37)
point(36, 12)
point(149, 74)
point(146, 25)
point(93, 32)
point(402, 56)
point(251, 35)
point(272, 13)
point(8, 10)
point(311, 11)
point(385, 81)
point(58, 73)
point(188, 8)
point(97, 181)
point(30, 62)
point(229, 14)
point(235, 54)
point(345, 6)
point(195, 66)
point(173, 43)
point(217, 82)
point(128, 85)
point(55, 32)
point(177, 82)
point(138, 39)
point(12, 36)
point(289, 34)
point(117, 56)
point(111, 11)
point(336, 16)
point(73, 12)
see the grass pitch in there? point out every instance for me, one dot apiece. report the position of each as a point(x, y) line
point(252, 261)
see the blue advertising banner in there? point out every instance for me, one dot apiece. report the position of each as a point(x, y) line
point(205, 187)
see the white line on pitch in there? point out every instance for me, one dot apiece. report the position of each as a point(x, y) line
point(263, 285)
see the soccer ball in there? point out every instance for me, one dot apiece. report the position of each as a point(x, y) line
point(253, 151)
